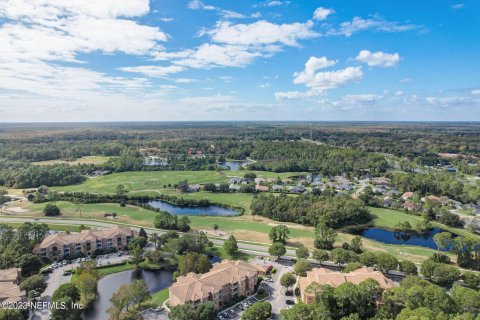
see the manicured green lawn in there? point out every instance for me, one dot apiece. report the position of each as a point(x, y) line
point(106, 270)
point(388, 218)
point(220, 252)
point(98, 210)
point(160, 297)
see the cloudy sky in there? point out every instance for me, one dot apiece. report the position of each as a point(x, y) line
point(159, 60)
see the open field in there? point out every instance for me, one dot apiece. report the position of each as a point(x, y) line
point(83, 160)
point(388, 218)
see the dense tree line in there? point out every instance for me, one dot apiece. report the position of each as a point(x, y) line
point(327, 160)
point(307, 209)
point(437, 184)
point(16, 246)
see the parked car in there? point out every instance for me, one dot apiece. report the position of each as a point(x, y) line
point(67, 273)
point(290, 302)
point(268, 279)
point(160, 309)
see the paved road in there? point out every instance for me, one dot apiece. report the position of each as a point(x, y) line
point(250, 248)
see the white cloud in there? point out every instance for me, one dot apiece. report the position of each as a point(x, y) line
point(458, 6)
point(265, 85)
point(378, 58)
point(375, 23)
point(272, 3)
point(475, 92)
point(262, 33)
point(186, 80)
point(153, 71)
point(214, 55)
point(166, 19)
point(399, 93)
point(322, 13)
point(320, 82)
point(405, 80)
point(227, 14)
point(237, 45)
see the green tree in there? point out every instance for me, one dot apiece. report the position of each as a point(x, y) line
point(193, 262)
point(356, 244)
point(215, 227)
point(142, 233)
point(443, 240)
point(320, 255)
point(386, 262)
point(138, 292)
point(471, 279)
point(183, 224)
point(408, 267)
point(35, 283)
point(231, 247)
point(183, 312)
point(279, 234)
point(121, 191)
point(287, 280)
point(302, 252)
point(368, 258)
point(303, 311)
point(277, 249)
point(206, 311)
point(466, 299)
point(339, 255)
point(51, 210)
point(324, 236)
point(352, 266)
point(258, 311)
point(137, 256)
point(66, 290)
point(302, 266)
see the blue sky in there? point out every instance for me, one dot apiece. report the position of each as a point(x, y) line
point(105, 60)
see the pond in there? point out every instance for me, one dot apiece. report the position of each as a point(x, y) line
point(412, 239)
point(235, 165)
point(193, 211)
point(107, 286)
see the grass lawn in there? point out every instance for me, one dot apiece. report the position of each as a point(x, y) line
point(153, 182)
point(220, 252)
point(388, 218)
point(83, 160)
point(106, 270)
point(160, 297)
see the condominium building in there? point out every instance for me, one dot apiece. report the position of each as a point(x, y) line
point(64, 245)
point(9, 286)
point(226, 280)
point(334, 279)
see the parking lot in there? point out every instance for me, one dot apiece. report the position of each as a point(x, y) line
point(60, 275)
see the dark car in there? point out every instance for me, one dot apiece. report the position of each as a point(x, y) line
point(290, 302)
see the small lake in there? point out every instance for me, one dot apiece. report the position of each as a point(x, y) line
point(193, 211)
point(411, 239)
point(233, 165)
point(108, 285)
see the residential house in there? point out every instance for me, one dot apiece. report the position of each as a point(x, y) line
point(334, 279)
point(277, 188)
point(9, 286)
point(381, 181)
point(260, 188)
point(62, 245)
point(407, 195)
point(287, 181)
point(387, 201)
point(194, 187)
point(226, 281)
point(411, 206)
point(297, 189)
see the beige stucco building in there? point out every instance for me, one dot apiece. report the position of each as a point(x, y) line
point(335, 278)
point(63, 245)
point(224, 282)
point(9, 286)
